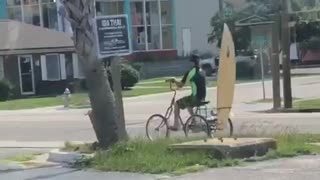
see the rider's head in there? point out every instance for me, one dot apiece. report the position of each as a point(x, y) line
point(195, 58)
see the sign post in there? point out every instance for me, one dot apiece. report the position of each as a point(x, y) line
point(261, 41)
point(112, 37)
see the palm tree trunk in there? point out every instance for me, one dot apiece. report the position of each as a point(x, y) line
point(103, 116)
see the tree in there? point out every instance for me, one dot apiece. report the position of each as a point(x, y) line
point(81, 14)
point(241, 35)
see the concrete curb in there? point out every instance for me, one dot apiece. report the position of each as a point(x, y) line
point(230, 148)
point(58, 156)
point(11, 166)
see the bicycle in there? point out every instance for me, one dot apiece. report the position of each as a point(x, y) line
point(204, 124)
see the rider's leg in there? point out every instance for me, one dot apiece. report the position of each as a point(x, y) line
point(190, 110)
point(176, 124)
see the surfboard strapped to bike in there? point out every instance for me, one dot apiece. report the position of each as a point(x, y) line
point(226, 78)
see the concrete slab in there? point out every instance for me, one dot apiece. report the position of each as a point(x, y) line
point(230, 148)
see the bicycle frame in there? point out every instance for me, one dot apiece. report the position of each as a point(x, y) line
point(170, 109)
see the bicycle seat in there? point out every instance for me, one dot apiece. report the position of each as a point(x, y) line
point(202, 103)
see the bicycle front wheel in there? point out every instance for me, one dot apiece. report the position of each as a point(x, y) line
point(157, 127)
point(196, 127)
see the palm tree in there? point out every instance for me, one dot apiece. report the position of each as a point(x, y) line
point(81, 14)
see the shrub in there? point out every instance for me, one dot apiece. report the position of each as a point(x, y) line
point(129, 76)
point(5, 90)
point(137, 66)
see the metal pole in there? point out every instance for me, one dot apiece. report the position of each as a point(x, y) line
point(262, 73)
point(275, 64)
point(117, 90)
point(286, 56)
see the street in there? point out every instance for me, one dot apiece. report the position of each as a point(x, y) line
point(57, 124)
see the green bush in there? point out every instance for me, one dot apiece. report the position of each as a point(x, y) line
point(5, 90)
point(129, 76)
point(137, 66)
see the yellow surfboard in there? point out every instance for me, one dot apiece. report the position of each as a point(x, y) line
point(226, 78)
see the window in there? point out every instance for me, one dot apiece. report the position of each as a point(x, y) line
point(15, 13)
point(167, 26)
point(149, 18)
point(13, 2)
point(32, 12)
point(78, 68)
point(153, 24)
point(104, 8)
point(49, 15)
point(53, 67)
point(138, 26)
point(14, 10)
point(167, 37)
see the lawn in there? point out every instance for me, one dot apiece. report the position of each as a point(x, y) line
point(146, 87)
point(31, 103)
point(156, 157)
point(307, 104)
point(78, 99)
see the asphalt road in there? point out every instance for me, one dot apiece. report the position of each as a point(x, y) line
point(57, 124)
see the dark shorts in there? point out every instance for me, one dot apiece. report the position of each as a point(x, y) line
point(188, 102)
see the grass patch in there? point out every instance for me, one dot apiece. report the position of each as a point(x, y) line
point(146, 91)
point(77, 99)
point(31, 103)
point(156, 157)
point(23, 157)
point(294, 145)
point(307, 104)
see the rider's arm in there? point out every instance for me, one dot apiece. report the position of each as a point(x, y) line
point(181, 83)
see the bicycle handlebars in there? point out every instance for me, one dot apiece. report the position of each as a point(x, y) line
point(171, 81)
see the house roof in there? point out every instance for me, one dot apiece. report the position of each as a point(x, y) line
point(17, 37)
point(253, 20)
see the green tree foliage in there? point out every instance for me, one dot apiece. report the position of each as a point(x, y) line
point(241, 35)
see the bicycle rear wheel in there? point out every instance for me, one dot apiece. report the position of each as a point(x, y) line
point(226, 132)
point(196, 127)
point(157, 127)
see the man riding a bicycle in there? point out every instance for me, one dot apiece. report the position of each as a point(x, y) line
point(196, 78)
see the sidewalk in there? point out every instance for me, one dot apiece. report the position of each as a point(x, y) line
point(306, 167)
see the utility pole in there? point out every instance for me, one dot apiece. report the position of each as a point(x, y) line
point(275, 64)
point(221, 10)
point(286, 55)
